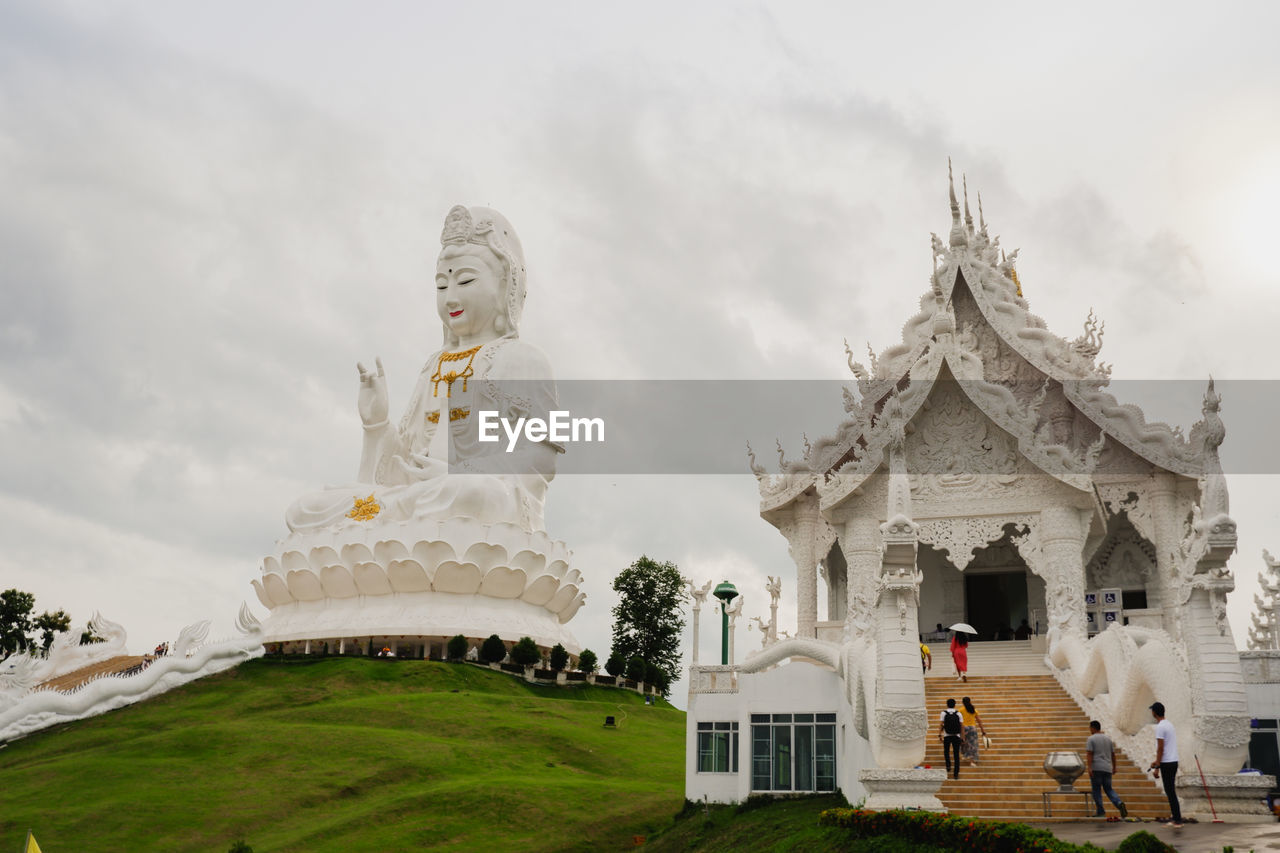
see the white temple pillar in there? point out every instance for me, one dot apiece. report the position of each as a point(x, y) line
point(803, 546)
point(860, 543)
point(1061, 535)
point(1166, 535)
point(699, 598)
point(901, 722)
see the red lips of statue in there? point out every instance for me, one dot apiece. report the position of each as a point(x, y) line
point(457, 313)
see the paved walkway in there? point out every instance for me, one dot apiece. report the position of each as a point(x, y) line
point(1192, 838)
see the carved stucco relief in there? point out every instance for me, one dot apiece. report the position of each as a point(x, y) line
point(1124, 560)
point(860, 544)
point(959, 537)
point(902, 724)
point(954, 440)
point(1117, 499)
point(1230, 732)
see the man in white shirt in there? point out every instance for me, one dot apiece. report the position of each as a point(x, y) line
point(1166, 763)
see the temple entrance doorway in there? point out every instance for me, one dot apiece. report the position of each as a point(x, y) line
point(995, 591)
point(997, 602)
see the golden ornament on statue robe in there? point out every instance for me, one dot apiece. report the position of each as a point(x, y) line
point(364, 509)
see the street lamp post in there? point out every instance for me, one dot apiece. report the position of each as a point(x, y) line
point(726, 592)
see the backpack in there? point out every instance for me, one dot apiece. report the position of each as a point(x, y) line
point(951, 723)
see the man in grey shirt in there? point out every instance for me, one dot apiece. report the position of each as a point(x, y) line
point(1101, 764)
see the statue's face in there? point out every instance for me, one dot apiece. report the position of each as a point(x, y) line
point(469, 292)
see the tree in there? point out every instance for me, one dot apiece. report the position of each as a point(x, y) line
point(49, 624)
point(661, 683)
point(525, 652)
point(559, 657)
point(615, 665)
point(457, 648)
point(493, 650)
point(636, 667)
point(653, 675)
point(15, 620)
point(587, 661)
point(648, 619)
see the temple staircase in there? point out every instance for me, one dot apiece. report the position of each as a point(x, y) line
point(1027, 715)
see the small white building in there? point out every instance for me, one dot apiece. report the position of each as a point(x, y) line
point(984, 473)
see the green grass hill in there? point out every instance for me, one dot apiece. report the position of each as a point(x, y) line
point(350, 754)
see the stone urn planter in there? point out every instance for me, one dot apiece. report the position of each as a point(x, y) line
point(1064, 768)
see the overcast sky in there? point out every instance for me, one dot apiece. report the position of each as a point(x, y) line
point(210, 212)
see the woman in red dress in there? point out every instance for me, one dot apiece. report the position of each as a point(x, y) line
point(960, 655)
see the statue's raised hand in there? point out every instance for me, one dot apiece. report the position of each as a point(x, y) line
point(372, 400)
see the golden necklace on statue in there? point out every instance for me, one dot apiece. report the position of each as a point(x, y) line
point(452, 376)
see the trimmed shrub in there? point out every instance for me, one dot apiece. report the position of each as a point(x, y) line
point(240, 847)
point(525, 652)
point(1144, 842)
point(635, 668)
point(457, 648)
point(559, 657)
point(945, 832)
point(587, 661)
point(493, 650)
point(615, 665)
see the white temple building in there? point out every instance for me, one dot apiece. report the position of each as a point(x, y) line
point(984, 474)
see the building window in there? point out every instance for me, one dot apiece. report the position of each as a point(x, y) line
point(1264, 746)
point(793, 752)
point(717, 747)
point(1133, 599)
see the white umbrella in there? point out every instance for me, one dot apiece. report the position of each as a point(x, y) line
point(964, 627)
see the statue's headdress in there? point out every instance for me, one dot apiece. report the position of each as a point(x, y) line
point(489, 228)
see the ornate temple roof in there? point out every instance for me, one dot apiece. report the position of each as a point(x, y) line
point(976, 327)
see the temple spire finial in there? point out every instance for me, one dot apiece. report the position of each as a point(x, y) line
point(982, 222)
point(968, 217)
point(957, 236)
point(951, 188)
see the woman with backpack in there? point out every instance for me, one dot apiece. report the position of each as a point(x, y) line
point(960, 655)
point(972, 723)
point(950, 730)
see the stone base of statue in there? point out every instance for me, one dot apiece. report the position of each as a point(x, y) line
point(410, 586)
point(890, 788)
point(1241, 798)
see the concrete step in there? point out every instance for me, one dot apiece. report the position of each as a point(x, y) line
point(990, 659)
point(1027, 716)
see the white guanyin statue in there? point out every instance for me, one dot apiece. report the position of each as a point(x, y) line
point(441, 534)
point(483, 366)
